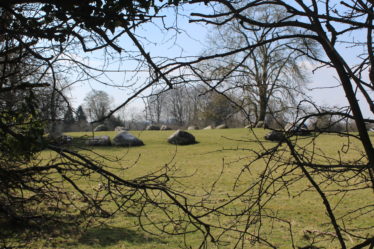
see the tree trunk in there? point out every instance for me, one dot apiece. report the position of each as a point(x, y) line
point(262, 105)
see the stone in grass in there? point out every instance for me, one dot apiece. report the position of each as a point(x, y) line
point(120, 129)
point(165, 128)
point(98, 141)
point(260, 124)
point(152, 128)
point(65, 139)
point(222, 126)
point(275, 136)
point(209, 127)
point(192, 127)
point(297, 129)
point(181, 138)
point(101, 127)
point(126, 139)
point(61, 140)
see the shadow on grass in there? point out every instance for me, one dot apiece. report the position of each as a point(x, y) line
point(107, 236)
point(310, 247)
point(55, 234)
point(22, 233)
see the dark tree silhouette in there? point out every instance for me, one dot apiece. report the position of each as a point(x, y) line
point(80, 114)
point(40, 40)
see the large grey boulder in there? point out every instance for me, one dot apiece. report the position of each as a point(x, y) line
point(119, 129)
point(98, 141)
point(62, 140)
point(297, 129)
point(165, 128)
point(275, 136)
point(152, 128)
point(126, 139)
point(101, 127)
point(181, 138)
point(209, 127)
point(222, 126)
point(192, 127)
point(288, 126)
point(65, 139)
point(260, 124)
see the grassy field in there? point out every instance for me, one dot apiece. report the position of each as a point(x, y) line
point(219, 154)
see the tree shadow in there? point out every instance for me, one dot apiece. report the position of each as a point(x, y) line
point(106, 236)
point(310, 247)
point(70, 234)
point(21, 233)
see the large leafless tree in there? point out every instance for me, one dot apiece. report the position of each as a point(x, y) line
point(270, 73)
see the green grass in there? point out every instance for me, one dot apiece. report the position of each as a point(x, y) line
point(218, 154)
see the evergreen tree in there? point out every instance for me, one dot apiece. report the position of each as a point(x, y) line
point(80, 114)
point(69, 117)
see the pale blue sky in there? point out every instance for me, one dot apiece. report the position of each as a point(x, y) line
point(190, 42)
